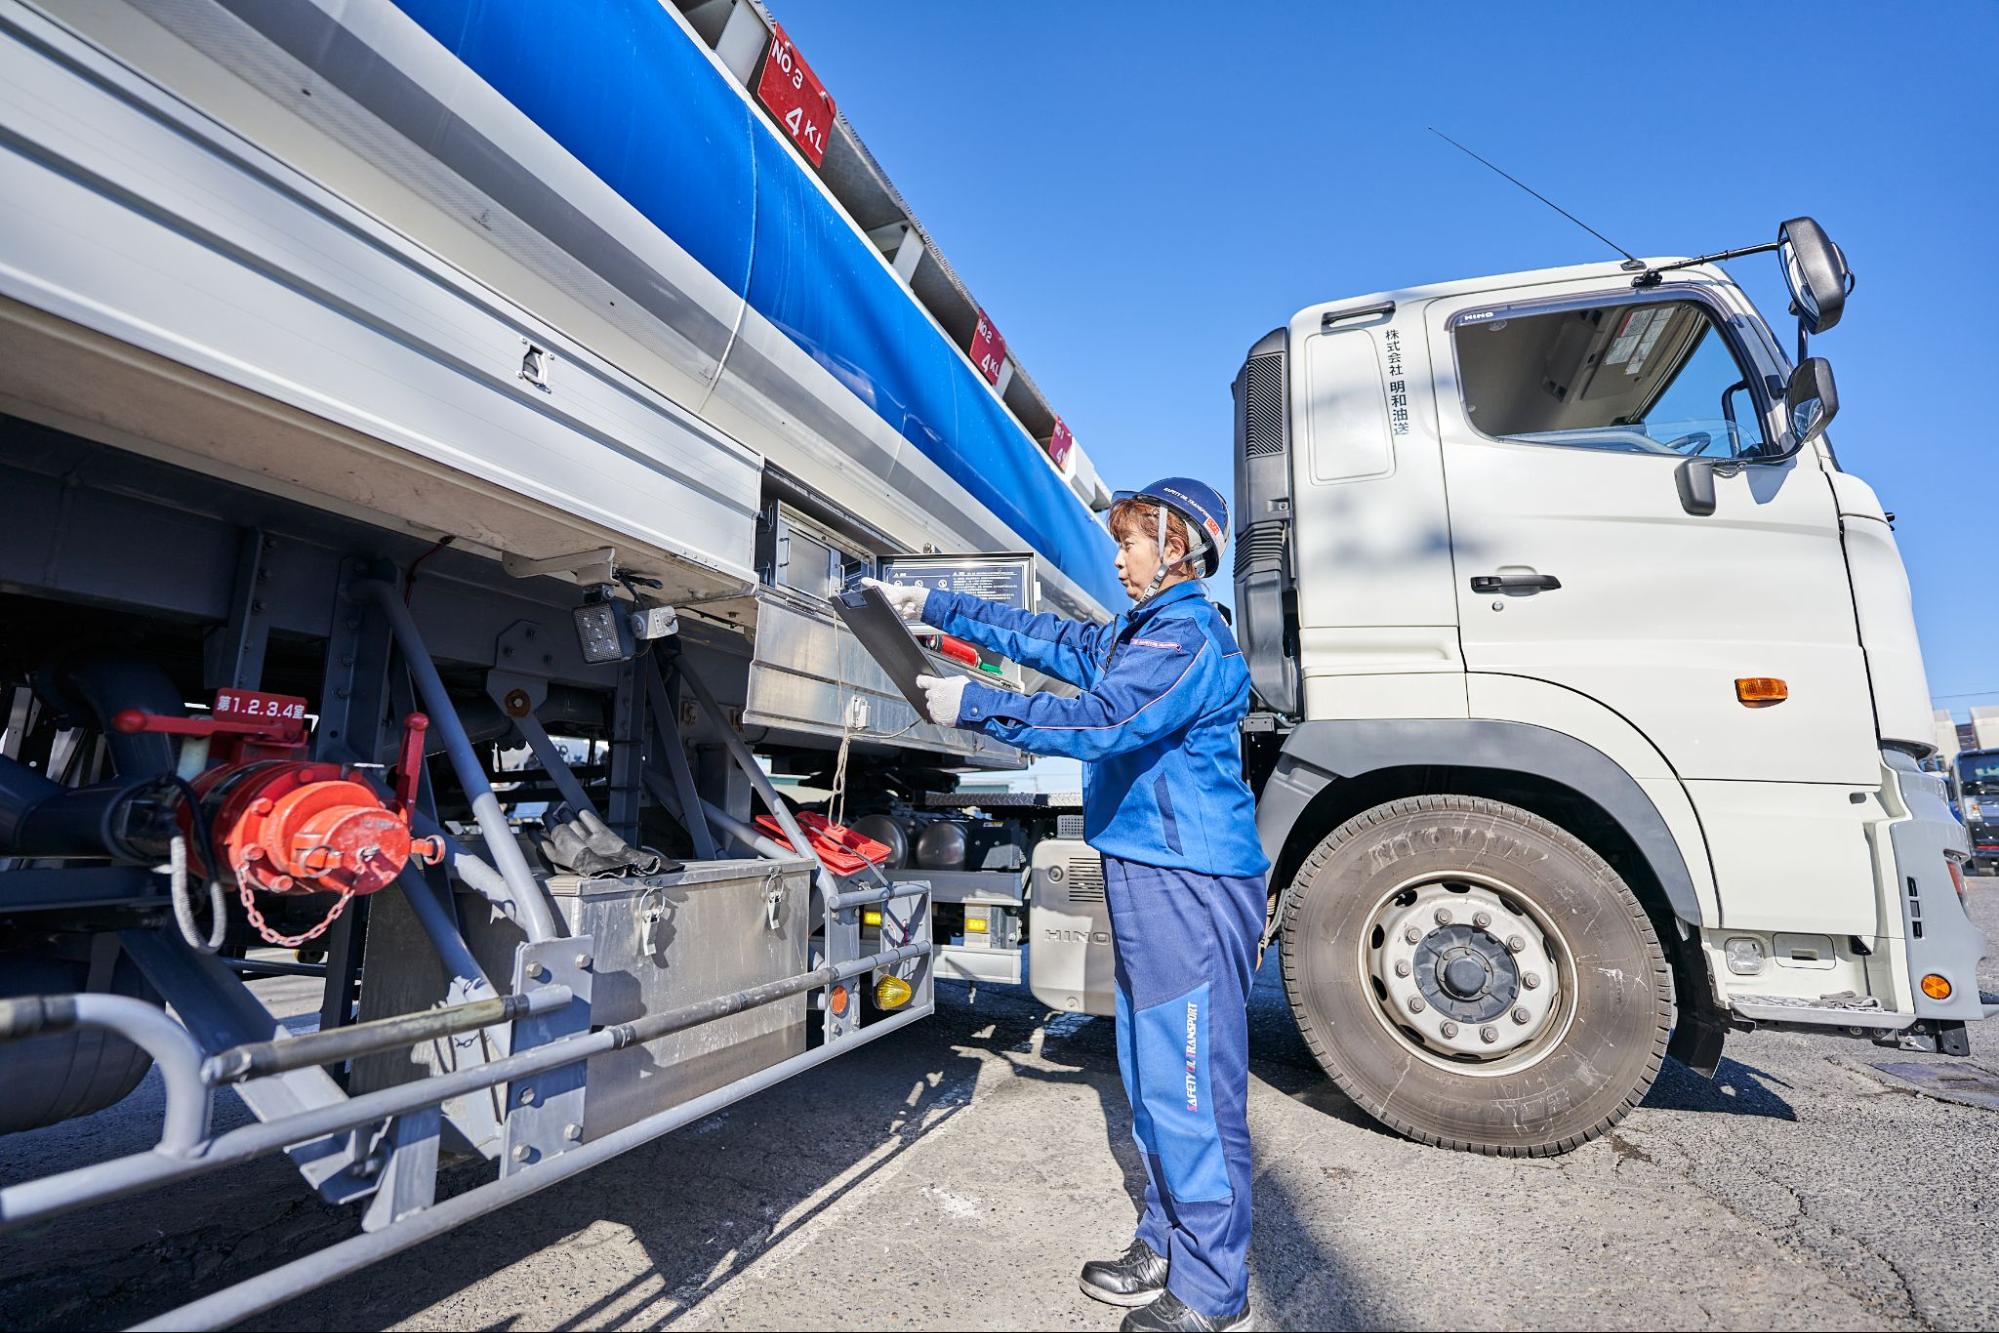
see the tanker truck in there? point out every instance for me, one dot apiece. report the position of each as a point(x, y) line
point(430, 434)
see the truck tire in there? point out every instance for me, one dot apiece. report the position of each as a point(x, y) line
point(1475, 978)
point(58, 1077)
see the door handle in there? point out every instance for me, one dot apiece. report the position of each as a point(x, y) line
point(1514, 582)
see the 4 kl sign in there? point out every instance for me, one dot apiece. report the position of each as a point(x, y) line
point(793, 94)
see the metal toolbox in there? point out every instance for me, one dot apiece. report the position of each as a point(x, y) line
point(670, 940)
point(657, 943)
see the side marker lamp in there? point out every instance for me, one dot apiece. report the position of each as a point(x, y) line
point(1761, 691)
point(1745, 957)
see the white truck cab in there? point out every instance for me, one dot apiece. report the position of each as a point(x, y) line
point(1590, 701)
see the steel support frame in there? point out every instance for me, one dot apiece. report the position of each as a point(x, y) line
point(394, 1131)
point(383, 1147)
point(254, 1295)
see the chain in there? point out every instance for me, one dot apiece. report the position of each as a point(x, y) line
point(271, 936)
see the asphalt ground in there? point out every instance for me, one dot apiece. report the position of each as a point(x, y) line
point(956, 1174)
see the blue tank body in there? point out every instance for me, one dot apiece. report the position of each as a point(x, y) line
point(625, 89)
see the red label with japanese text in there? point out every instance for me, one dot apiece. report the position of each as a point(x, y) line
point(794, 96)
point(1060, 443)
point(285, 713)
point(988, 349)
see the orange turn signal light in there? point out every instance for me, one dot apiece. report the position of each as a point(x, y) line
point(838, 1001)
point(1936, 987)
point(1761, 691)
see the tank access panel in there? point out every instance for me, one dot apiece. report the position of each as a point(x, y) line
point(1006, 578)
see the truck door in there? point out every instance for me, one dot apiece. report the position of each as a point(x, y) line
point(1576, 562)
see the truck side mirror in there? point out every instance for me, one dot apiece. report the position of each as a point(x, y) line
point(1816, 271)
point(1811, 400)
point(1695, 479)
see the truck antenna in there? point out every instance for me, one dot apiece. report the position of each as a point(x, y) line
point(1631, 261)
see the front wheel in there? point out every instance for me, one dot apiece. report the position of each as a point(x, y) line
point(1476, 978)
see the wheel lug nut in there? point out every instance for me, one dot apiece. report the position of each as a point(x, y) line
point(1416, 1005)
point(1531, 980)
point(1450, 1029)
point(1413, 935)
point(1443, 916)
point(1402, 969)
point(1481, 919)
point(1514, 944)
point(1488, 1035)
point(1521, 1016)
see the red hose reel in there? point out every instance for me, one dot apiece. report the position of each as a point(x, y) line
point(277, 822)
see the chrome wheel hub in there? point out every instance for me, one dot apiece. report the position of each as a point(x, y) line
point(1465, 969)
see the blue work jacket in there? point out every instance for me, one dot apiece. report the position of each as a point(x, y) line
point(1164, 690)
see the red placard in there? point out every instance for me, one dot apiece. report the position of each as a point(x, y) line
point(988, 349)
point(1060, 443)
point(794, 96)
point(285, 712)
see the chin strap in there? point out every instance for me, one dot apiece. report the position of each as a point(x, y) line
point(1159, 574)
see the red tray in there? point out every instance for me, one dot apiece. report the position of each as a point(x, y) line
point(841, 849)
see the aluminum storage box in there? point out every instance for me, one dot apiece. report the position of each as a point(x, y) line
point(671, 940)
point(656, 943)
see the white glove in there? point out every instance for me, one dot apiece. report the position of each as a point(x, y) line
point(942, 695)
point(907, 601)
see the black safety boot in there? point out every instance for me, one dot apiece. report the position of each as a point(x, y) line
point(1169, 1312)
point(1136, 1279)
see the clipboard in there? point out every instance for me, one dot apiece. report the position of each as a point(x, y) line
point(888, 640)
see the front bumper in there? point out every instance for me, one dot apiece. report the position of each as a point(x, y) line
point(1984, 841)
point(1937, 932)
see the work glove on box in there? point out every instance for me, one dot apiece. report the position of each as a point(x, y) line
point(942, 696)
point(907, 601)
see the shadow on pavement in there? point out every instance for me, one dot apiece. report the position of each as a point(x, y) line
point(1735, 1089)
point(1086, 1048)
point(1296, 1279)
point(701, 1205)
point(690, 1211)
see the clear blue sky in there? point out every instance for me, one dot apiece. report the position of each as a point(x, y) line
point(1136, 193)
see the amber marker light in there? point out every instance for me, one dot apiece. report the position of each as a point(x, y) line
point(1936, 987)
point(1761, 691)
point(839, 1001)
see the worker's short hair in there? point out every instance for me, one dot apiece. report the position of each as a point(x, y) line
point(1142, 517)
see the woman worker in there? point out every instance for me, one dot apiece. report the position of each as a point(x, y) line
point(1164, 688)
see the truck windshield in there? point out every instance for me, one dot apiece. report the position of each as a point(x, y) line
point(1978, 770)
point(1647, 377)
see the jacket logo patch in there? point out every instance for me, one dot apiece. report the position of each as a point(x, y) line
point(1167, 644)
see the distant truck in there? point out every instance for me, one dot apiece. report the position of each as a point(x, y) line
point(1976, 778)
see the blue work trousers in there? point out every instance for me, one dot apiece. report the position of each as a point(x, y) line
point(1186, 956)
